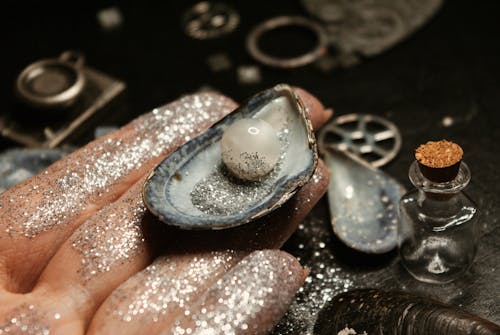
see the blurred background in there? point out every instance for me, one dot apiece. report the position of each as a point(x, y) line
point(432, 67)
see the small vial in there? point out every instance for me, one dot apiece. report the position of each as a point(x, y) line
point(437, 228)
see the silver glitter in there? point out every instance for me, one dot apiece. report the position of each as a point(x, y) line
point(323, 283)
point(221, 193)
point(167, 285)
point(251, 297)
point(252, 162)
point(112, 236)
point(72, 189)
point(24, 319)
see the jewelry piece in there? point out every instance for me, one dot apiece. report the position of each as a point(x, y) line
point(250, 148)
point(362, 135)
point(207, 20)
point(63, 93)
point(255, 35)
point(52, 83)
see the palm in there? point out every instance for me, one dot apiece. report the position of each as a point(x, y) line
point(79, 252)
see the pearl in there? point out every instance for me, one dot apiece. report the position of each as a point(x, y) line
point(250, 148)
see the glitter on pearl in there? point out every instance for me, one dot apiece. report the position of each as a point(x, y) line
point(24, 319)
point(222, 194)
point(96, 174)
point(250, 148)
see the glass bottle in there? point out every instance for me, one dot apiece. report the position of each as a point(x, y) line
point(437, 227)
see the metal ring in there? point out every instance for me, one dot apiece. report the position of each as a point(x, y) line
point(68, 64)
point(282, 21)
point(359, 140)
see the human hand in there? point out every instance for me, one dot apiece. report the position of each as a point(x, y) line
point(80, 253)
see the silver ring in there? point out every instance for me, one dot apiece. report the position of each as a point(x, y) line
point(283, 21)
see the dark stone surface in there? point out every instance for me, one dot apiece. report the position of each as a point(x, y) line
point(450, 68)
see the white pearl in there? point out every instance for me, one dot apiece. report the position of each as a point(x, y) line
point(250, 148)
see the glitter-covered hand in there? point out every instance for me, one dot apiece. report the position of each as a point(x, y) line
point(72, 234)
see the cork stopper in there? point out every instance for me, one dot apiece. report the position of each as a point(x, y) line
point(439, 161)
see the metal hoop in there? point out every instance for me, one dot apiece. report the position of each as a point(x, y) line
point(283, 21)
point(69, 63)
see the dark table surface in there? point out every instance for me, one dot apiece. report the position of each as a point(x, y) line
point(449, 68)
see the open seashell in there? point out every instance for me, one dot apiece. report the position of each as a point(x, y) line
point(363, 203)
point(193, 189)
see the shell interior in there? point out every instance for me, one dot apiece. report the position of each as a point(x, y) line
point(192, 189)
point(363, 203)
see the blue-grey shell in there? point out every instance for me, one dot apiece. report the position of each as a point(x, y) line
point(168, 191)
point(363, 203)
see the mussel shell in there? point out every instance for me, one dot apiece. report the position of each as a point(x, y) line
point(397, 313)
point(363, 203)
point(167, 191)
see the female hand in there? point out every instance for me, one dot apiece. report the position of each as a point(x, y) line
point(80, 253)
